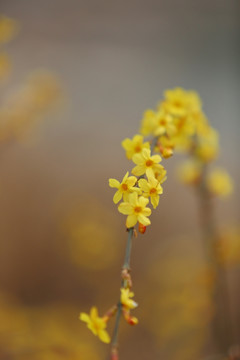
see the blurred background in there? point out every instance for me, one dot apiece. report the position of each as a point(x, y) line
point(62, 239)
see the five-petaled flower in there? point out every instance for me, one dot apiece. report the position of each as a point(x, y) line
point(136, 210)
point(96, 324)
point(134, 146)
point(146, 163)
point(124, 188)
point(152, 189)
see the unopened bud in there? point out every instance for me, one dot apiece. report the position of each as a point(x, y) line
point(141, 228)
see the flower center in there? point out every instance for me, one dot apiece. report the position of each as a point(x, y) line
point(137, 209)
point(162, 122)
point(149, 163)
point(177, 103)
point(153, 191)
point(137, 148)
point(124, 187)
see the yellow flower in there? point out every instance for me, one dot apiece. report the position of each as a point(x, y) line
point(164, 124)
point(208, 145)
point(124, 188)
point(161, 175)
point(134, 146)
point(219, 182)
point(136, 210)
point(146, 163)
point(165, 146)
point(152, 189)
point(128, 303)
point(179, 102)
point(96, 324)
point(8, 29)
point(148, 122)
point(189, 172)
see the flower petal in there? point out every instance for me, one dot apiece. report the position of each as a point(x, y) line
point(146, 153)
point(133, 198)
point(126, 143)
point(131, 181)
point(103, 336)
point(143, 185)
point(84, 317)
point(149, 172)
point(144, 220)
point(117, 197)
point(131, 221)
point(154, 201)
point(143, 201)
point(139, 170)
point(137, 139)
point(125, 177)
point(156, 158)
point(93, 312)
point(125, 208)
point(114, 183)
point(138, 159)
point(147, 211)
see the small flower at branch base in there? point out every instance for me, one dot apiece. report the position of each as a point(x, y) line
point(219, 183)
point(124, 188)
point(126, 300)
point(141, 228)
point(134, 146)
point(96, 324)
point(131, 320)
point(136, 210)
point(152, 189)
point(190, 172)
point(146, 163)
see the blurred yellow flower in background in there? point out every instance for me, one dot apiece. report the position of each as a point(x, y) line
point(189, 172)
point(178, 101)
point(8, 28)
point(26, 106)
point(91, 234)
point(219, 182)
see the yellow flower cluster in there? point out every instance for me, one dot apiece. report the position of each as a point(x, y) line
point(26, 106)
point(181, 124)
point(146, 184)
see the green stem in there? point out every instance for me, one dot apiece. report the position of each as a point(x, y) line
point(126, 265)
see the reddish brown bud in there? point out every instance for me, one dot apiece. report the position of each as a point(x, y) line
point(141, 228)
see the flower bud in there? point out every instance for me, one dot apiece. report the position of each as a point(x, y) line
point(141, 228)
